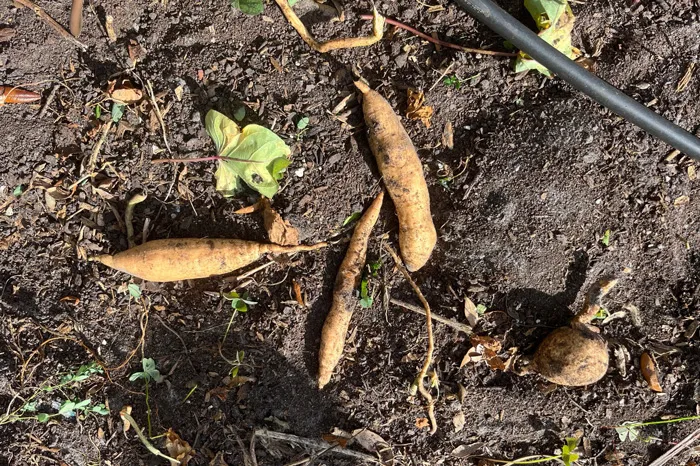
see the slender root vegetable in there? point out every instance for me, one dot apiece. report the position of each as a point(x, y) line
point(575, 355)
point(169, 260)
point(402, 172)
point(344, 300)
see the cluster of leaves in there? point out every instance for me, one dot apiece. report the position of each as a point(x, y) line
point(253, 7)
point(555, 21)
point(254, 155)
point(149, 372)
point(568, 456)
point(371, 271)
point(239, 303)
point(70, 406)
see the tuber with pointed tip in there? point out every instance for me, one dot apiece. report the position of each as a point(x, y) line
point(335, 328)
point(402, 173)
point(575, 355)
point(169, 260)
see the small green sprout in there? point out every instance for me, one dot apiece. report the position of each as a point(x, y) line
point(303, 123)
point(352, 218)
point(117, 112)
point(453, 82)
point(567, 451)
point(149, 373)
point(366, 299)
point(606, 238)
point(134, 290)
point(237, 363)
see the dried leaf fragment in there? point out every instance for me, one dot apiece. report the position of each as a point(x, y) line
point(109, 26)
point(691, 173)
point(448, 136)
point(416, 109)
point(342, 442)
point(681, 200)
point(15, 95)
point(458, 421)
point(687, 76)
point(218, 460)
point(124, 92)
point(126, 423)
point(470, 312)
point(649, 372)
point(422, 422)
point(178, 448)
point(279, 231)
point(6, 34)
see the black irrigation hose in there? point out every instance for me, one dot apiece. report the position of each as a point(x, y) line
point(523, 38)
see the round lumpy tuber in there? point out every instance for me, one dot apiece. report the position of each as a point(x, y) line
point(575, 355)
point(402, 173)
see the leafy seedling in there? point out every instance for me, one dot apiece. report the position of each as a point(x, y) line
point(630, 430)
point(149, 374)
point(84, 372)
point(239, 303)
point(237, 363)
point(255, 155)
point(602, 314)
point(366, 299)
point(606, 238)
point(453, 82)
point(555, 22)
point(568, 456)
point(18, 191)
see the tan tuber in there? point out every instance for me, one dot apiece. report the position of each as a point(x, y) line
point(575, 355)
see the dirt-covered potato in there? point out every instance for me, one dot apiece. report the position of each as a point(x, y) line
point(575, 355)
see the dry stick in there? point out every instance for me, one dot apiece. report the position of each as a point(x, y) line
point(449, 322)
point(152, 97)
point(76, 18)
point(333, 44)
point(425, 36)
point(677, 450)
point(51, 22)
point(312, 443)
point(92, 162)
point(429, 325)
point(437, 81)
point(49, 101)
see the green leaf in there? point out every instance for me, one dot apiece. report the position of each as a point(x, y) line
point(67, 408)
point(627, 432)
point(134, 290)
point(302, 123)
point(240, 355)
point(18, 191)
point(29, 407)
point(234, 371)
point(555, 21)
point(43, 417)
point(82, 404)
point(606, 238)
point(136, 375)
point(366, 302)
point(480, 309)
point(239, 114)
point(98, 111)
point(100, 409)
point(117, 112)
point(149, 369)
point(292, 2)
point(352, 217)
point(249, 7)
point(256, 155)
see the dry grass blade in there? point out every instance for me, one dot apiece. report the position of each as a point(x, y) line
point(685, 80)
point(419, 310)
point(76, 18)
point(677, 450)
point(418, 383)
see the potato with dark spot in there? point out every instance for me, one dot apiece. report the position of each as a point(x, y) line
point(576, 355)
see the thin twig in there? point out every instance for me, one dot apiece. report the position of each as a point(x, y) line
point(49, 101)
point(92, 162)
point(51, 22)
point(152, 97)
point(437, 81)
point(126, 417)
point(312, 444)
point(429, 325)
point(449, 322)
point(425, 36)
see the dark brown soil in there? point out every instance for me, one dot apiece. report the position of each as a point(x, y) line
point(519, 231)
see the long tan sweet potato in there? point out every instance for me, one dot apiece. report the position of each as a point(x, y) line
point(344, 299)
point(169, 260)
point(402, 172)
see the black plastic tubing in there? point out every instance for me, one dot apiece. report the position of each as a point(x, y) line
point(490, 14)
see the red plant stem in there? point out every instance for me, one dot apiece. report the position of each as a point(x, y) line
point(204, 159)
point(425, 36)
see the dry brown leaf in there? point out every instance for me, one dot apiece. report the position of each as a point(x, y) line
point(136, 52)
point(335, 440)
point(276, 64)
point(683, 83)
point(279, 231)
point(422, 422)
point(127, 424)
point(8, 241)
point(239, 380)
point(681, 200)
point(70, 299)
point(416, 110)
point(448, 138)
point(127, 95)
point(178, 448)
point(249, 209)
point(487, 342)
point(218, 460)
point(297, 293)
point(219, 392)
point(179, 91)
point(458, 421)
point(649, 372)
point(470, 312)
point(587, 63)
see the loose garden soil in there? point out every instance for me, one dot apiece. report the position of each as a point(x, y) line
point(548, 172)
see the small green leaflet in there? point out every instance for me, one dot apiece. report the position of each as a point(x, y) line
point(149, 372)
point(134, 290)
point(249, 7)
point(352, 217)
point(555, 21)
point(239, 114)
point(606, 238)
point(117, 112)
point(303, 123)
point(567, 451)
point(18, 191)
point(100, 409)
point(480, 310)
point(98, 111)
point(255, 155)
point(627, 431)
point(43, 417)
point(239, 303)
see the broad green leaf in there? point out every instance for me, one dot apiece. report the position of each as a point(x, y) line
point(100, 409)
point(81, 405)
point(66, 408)
point(150, 371)
point(555, 21)
point(227, 180)
point(249, 7)
point(134, 290)
point(43, 417)
point(136, 375)
point(223, 131)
